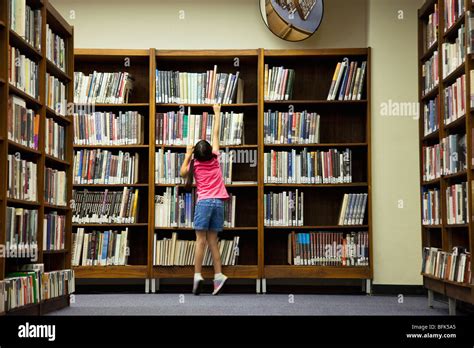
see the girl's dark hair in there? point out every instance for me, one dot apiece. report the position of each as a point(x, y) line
point(202, 153)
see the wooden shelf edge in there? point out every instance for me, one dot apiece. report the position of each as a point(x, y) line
point(90, 272)
point(325, 272)
point(237, 271)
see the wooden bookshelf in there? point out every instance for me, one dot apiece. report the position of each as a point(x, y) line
point(52, 260)
point(141, 67)
point(344, 124)
point(445, 236)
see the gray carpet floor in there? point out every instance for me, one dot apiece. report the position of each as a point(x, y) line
point(248, 304)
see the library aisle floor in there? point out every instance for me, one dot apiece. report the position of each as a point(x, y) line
point(232, 304)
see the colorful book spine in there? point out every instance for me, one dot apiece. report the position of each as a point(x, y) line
point(353, 208)
point(284, 208)
point(23, 73)
point(291, 128)
point(54, 231)
point(55, 139)
point(55, 184)
point(22, 123)
point(22, 179)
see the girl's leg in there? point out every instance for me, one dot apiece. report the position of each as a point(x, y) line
point(200, 248)
point(216, 256)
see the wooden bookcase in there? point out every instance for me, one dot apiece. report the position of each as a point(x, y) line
point(445, 236)
point(344, 124)
point(52, 260)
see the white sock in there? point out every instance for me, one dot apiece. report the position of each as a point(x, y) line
point(218, 275)
point(198, 276)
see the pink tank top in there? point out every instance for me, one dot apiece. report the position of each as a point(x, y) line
point(209, 180)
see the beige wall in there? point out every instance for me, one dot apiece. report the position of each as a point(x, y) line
point(395, 174)
point(238, 24)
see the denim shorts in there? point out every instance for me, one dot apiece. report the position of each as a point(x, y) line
point(209, 215)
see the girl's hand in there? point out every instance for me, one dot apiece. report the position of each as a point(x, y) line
point(217, 109)
point(189, 150)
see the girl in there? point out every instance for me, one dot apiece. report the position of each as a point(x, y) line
point(209, 210)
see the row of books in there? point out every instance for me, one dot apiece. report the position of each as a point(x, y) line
point(55, 187)
point(279, 83)
point(55, 49)
point(353, 209)
point(348, 81)
point(453, 10)
point(457, 204)
point(176, 209)
point(455, 100)
point(54, 231)
point(23, 123)
point(21, 229)
point(105, 207)
point(107, 128)
point(31, 284)
point(23, 73)
point(104, 167)
point(431, 112)
point(22, 178)
point(454, 266)
point(431, 36)
point(291, 127)
point(178, 128)
point(308, 167)
point(470, 33)
point(430, 73)
point(55, 139)
point(175, 252)
point(25, 21)
point(100, 248)
point(328, 249)
point(198, 88)
point(448, 157)
point(168, 165)
point(102, 87)
point(284, 208)
point(430, 206)
point(55, 95)
point(454, 53)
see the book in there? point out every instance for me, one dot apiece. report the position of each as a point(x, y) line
point(55, 187)
point(57, 283)
point(430, 74)
point(23, 123)
point(284, 208)
point(291, 128)
point(56, 97)
point(454, 154)
point(175, 87)
point(106, 206)
point(175, 252)
point(279, 83)
point(21, 178)
point(431, 209)
point(178, 128)
point(454, 54)
point(353, 209)
point(431, 162)
point(55, 139)
point(308, 167)
point(454, 266)
point(328, 249)
point(107, 128)
point(348, 81)
point(25, 21)
point(21, 289)
point(431, 30)
point(23, 73)
point(111, 248)
point(104, 167)
point(453, 10)
point(168, 166)
point(457, 204)
point(455, 100)
point(102, 87)
point(431, 116)
point(21, 231)
point(2, 296)
point(55, 48)
point(54, 231)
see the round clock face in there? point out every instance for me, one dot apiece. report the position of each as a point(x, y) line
point(292, 20)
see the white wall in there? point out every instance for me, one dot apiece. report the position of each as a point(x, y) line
point(347, 23)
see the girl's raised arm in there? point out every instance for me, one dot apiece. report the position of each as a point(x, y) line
point(216, 128)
